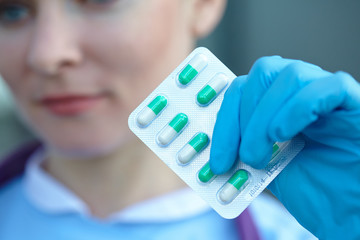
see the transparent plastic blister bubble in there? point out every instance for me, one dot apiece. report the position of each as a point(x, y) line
point(176, 122)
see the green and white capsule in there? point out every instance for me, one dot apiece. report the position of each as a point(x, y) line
point(192, 69)
point(193, 147)
point(149, 113)
point(171, 130)
point(209, 92)
point(205, 174)
point(275, 150)
point(233, 186)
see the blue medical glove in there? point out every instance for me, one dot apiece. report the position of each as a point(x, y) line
point(282, 98)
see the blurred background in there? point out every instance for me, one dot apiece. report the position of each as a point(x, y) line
point(323, 32)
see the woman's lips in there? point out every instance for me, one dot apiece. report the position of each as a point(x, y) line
point(69, 105)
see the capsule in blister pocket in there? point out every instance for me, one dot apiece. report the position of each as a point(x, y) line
point(209, 92)
point(193, 147)
point(192, 69)
point(151, 111)
point(172, 129)
point(233, 186)
point(205, 174)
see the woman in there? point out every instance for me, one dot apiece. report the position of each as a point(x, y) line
point(77, 69)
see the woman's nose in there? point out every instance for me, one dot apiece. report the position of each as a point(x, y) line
point(53, 44)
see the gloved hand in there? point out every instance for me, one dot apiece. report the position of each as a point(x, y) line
point(282, 98)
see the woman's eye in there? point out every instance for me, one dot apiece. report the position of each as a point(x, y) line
point(13, 13)
point(97, 2)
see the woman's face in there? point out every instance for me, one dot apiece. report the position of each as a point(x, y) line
point(77, 68)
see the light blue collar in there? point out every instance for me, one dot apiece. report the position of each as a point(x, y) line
point(51, 196)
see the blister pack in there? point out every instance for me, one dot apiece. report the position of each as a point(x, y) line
point(176, 122)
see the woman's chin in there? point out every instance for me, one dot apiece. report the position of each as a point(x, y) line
point(85, 150)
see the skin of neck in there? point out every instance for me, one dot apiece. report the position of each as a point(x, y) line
point(112, 182)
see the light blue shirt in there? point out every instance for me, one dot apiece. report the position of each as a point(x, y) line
point(36, 207)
